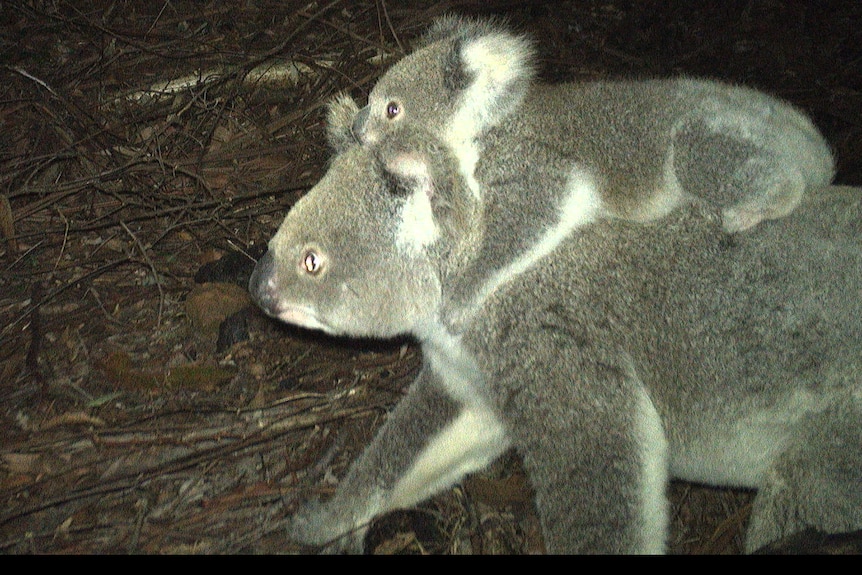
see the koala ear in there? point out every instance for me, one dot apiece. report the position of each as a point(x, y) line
point(422, 170)
point(340, 115)
point(501, 67)
point(444, 27)
point(500, 56)
point(412, 171)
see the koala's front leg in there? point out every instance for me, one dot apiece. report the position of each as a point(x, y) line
point(592, 444)
point(428, 443)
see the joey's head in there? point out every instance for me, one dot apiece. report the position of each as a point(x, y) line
point(466, 76)
point(365, 251)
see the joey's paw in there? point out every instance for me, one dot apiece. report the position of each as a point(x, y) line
point(736, 219)
point(317, 526)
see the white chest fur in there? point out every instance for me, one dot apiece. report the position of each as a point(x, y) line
point(470, 441)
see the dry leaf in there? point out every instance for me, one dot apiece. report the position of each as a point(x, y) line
point(22, 463)
point(73, 418)
point(7, 224)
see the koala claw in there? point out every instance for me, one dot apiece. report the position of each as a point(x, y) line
point(316, 525)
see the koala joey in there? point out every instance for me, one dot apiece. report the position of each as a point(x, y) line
point(649, 145)
point(612, 355)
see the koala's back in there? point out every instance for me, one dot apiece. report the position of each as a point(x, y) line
point(652, 143)
point(610, 128)
point(727, 332)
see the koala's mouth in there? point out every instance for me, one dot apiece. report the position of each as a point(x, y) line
point(303, 316)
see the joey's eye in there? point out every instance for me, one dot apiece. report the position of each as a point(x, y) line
point(312, 262)
point(392, 110)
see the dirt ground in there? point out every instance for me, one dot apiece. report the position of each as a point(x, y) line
point(145, 160)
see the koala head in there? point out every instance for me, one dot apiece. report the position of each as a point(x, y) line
point(363, 253)
point(466, 76)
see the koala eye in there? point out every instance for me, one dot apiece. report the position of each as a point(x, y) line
point(392, 109)
point(312, 263)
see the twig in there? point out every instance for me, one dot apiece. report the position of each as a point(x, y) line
point(33, 78)
point(382, 4)
point(157, 18)
point(152, 266)
point(32, 360)
point(25, 254)
point(63, 246)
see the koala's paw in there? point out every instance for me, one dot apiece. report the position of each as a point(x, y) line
point(316, 525)
point(737, 219)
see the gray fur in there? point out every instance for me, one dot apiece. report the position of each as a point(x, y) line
point(611, 354)
point(651, 145)
point(341, 111)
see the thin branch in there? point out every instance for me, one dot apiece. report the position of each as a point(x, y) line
point(29, 76)
point(153, 269)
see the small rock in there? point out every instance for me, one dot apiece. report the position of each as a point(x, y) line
point(209, 304)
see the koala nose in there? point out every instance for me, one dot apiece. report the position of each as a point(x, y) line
point(358, 128)
point(260, 287)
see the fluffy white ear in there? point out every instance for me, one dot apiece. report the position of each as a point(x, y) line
point(502, 67)
point(340, 115)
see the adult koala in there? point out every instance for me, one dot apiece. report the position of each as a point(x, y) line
point(610, 354)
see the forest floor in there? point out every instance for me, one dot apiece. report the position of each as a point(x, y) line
point(145, 161)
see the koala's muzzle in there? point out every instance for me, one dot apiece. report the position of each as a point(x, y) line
point(261, 285)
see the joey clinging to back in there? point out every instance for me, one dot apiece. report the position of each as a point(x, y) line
point(649, 145)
